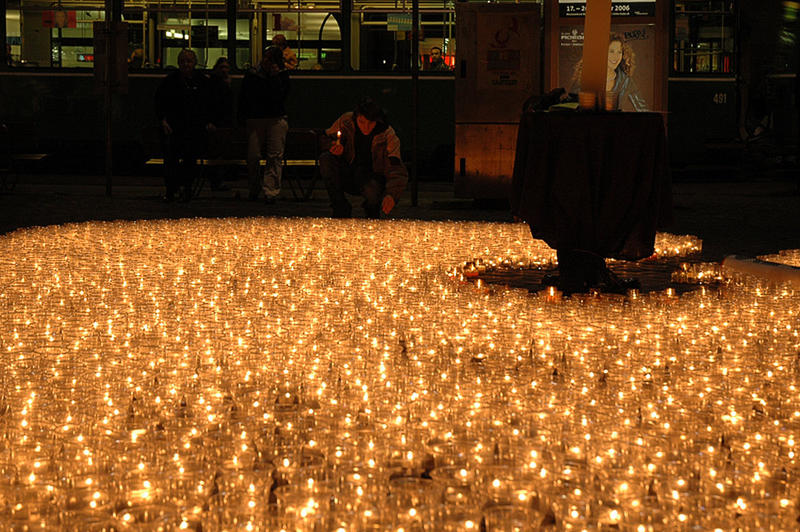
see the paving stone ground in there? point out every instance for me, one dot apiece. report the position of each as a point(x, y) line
point(746, 218)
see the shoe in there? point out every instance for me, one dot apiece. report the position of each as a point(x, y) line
point(342, 210)
point(169, 198)
point(269, 200)
point(550, 279)
point(221, 187)
point(373, 212)
point(611, 283)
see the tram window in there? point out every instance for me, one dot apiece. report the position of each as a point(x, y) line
point(64, 38)
point(314, 37)
point(48, 36)
point(703, 37)
point(13, 35)
point(384, 41)
point(173, 31)
point(311, 33)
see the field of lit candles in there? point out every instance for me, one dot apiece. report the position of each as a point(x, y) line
point(320, 375)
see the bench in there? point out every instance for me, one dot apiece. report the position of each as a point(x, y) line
point(299, 161)
point(10, 157)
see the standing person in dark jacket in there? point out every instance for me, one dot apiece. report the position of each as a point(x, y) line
point(363, 160)
point(182, 110)
point(437, 63)
point(262, 105)
point(221, 114)
point(289, 56)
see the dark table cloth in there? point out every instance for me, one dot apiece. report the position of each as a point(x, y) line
point(597, 182)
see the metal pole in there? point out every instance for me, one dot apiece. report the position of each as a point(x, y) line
point(107, 77)
point(231, 16)
point(414, 101)
point(3, 39)
point(113, 14)
point(60, 46)
point(346, 31)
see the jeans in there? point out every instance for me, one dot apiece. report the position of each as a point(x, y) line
point(341, 177)
point(271, 133)
point(220, 146)
point(181, 150)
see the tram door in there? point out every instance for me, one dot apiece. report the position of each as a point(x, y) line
point(702, 82)
point(497, 69)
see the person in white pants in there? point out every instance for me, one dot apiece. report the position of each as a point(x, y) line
point(262, 106)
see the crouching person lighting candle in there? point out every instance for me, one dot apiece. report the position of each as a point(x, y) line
point(363, 161)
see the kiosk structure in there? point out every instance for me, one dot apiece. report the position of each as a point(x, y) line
point(498, 65)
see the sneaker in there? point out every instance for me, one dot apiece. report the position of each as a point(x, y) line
point(372, 212)
point(550, 279)
point(611, 283)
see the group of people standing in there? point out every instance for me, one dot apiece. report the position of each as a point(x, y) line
point(196, 114)
point(361, 153)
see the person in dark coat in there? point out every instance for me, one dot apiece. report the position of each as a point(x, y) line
point(262, 107)
point(182, 110)
point(220, 138)
point(363, 160)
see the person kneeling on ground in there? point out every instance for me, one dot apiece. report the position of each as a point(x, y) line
point(363, 159)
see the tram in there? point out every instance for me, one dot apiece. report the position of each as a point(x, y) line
point(693, 64)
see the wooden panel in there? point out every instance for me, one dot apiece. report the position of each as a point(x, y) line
point(497, 60)
point(484, 160)
point(595, 48)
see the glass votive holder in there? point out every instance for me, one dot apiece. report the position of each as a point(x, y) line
point(573, 511)
point(587, 101)
point(302, 501)
point(148, 517)
point(611, 101)
point(79, 503)
point(511, 518)
point(412, 492)
point(461, 520)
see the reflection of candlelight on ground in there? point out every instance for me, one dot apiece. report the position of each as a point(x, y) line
point(241, 352)
point(552, 294)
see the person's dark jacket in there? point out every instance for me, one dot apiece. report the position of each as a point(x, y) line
point(263, 95)
point(221, 102)
point(183, 101)
point(386, 158)
point(439, 66)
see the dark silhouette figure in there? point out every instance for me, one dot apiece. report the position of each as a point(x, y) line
point(220, 137)
point(182, 110)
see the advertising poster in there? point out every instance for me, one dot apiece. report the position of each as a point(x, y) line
point(501, 39)
point(631, 63)
point(59, 19)
point(619, 8)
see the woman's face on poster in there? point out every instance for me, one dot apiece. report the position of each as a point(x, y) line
point(614, 54)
